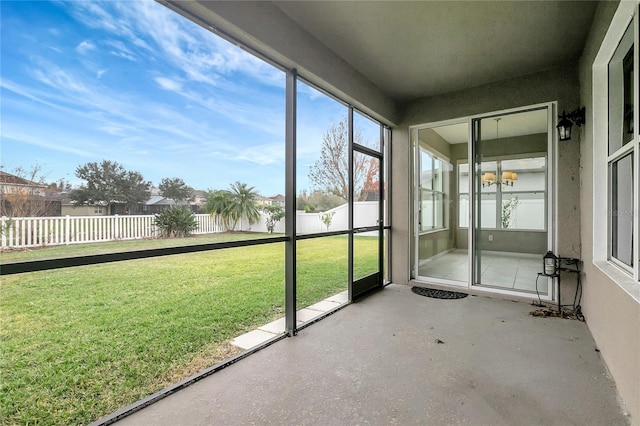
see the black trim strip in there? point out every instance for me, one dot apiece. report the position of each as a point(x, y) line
point(321, 234)
point(367, 151)
point(47, 264)
point(366, 229)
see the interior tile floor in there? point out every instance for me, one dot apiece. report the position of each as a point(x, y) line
point(517, 271)
point(399, 358)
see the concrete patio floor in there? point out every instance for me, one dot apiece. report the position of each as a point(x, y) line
point(400, 358)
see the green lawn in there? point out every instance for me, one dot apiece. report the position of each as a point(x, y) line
point(54, 252)
point(80, 343)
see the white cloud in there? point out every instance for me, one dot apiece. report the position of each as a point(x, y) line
point(100, 73)
point(58, 78)
point(85, 47)
point(121, 50)
point(311, 92)
point(47, 143)
point(169, 84)
point(265, 154)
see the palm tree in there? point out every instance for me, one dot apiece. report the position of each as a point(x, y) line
point(244, 203)
point(219, 203)
point(234, 204)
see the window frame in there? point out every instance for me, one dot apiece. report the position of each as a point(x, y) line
point(628, 147)
point(499, 191)
point(434, 193)
point(626, 278)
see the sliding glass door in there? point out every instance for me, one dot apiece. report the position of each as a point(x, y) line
point(441, 249)
point(511, 218)
point(483, 214)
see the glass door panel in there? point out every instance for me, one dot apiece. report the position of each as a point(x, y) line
point(510, 228)
point(442, 208)
point(367, 224)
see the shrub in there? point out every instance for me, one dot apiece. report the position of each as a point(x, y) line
point(274, 215)
point(176, 221)
point(326, 218)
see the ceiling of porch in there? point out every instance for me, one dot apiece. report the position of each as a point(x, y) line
point(412, 50)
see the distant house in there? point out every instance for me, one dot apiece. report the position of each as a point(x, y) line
point(71, 208)
point(20, 197)
point(276, 200)
point(12, 184)
point(156, 204)
point(199, 200)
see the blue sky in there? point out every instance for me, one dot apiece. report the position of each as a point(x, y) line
point(136, 83)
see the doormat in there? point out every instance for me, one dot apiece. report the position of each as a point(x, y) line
point(438, 294)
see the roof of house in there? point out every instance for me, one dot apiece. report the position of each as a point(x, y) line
point(8, 178)
point(159, 200)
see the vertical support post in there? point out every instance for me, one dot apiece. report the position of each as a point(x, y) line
point(350, 205)
point(4, 231)
point(67, 229)
point(290, 203)
point(387, 155)
point(475, 192)
point(381, 166)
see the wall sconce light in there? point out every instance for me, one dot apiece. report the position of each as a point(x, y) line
point(508, 178)
point(567, 121)
point(488, 179)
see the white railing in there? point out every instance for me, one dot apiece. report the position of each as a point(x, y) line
point(23, 232)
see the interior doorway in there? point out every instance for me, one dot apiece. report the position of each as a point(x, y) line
point(485, 223)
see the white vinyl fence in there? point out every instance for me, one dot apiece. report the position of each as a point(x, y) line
point(24, 232)
point(44, 231)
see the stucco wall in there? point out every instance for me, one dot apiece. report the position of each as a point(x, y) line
point(401, 250)
point(560, 84)
point(82, 211)
point(613, 316)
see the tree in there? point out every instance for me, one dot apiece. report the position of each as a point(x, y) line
point(219, 203)
point(233, 205)
point(274, 215)
point(317, 201)
point(61, 185)
point(108, 183)
point(507, 210)
point(175, 189)
point(330, 172)
point(327, 218)
point(244, 202)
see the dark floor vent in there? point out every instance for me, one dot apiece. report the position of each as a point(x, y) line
point(438, 294)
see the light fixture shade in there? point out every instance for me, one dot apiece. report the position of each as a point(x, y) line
point(564, 128)
point(568, 120)
point(514, 176)
point(488, 177)
point(507, 176)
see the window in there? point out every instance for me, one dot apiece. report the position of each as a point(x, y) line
point(622, 142)
point(432, 190)
point(514, 193)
